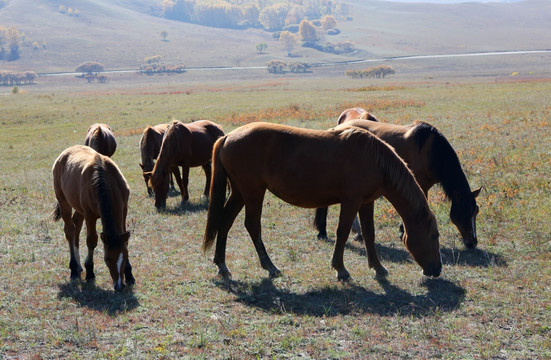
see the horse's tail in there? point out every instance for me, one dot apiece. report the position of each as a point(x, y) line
point(56, 214)
point(217, 195)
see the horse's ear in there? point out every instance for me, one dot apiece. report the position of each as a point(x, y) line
point(141, 165)
point(476, 192)
point(102, 236)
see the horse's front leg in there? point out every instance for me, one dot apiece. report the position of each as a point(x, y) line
point(346, 218)
point(207, 168)
point(175, 173)
point(91, 243)
point(368, 231)
point(253, 212)
point(320, 222)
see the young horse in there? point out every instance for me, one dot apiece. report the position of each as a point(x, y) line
point(93, 185)
point(185, 145)
point(432, 160)
point(315, 168)
point(100, 138)
point(150, 145)
point(356, 113)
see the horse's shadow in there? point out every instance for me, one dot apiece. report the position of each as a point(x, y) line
point(442, 295)
point(87, 294)
point(450, 256)
point(187, 207)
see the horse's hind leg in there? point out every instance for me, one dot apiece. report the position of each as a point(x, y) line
point(253, 212)
point(91, 243)
point(183, 182)
point(231, 210)
point(207, 168)
point(71, 235)
point(320, 222)
point(368, 230)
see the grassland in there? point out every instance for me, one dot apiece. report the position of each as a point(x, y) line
point(490, 303)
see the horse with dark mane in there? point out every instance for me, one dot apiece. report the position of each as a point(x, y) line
point(150, 145)
point(100, 137)
point(185, 145)
point(92, 185)
point(356, 113)
point(432, 160)
point(311, 169)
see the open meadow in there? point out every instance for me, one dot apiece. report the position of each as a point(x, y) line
point(493, 302)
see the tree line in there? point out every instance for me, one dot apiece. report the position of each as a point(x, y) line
point(373, 72)
point(10, 78)
point(279, 66)
point(271, 15)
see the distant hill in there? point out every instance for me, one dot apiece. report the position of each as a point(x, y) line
point(121, 33)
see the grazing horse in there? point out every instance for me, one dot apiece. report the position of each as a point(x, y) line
point(100, 138)
point(150, 145)
point(356, 113)
point(310, 169)
point(432, 160)
point(92, 185)
point(185, 145)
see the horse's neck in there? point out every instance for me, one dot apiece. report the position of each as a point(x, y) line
point(408, 210)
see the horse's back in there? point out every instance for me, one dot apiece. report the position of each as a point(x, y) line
point(308, 168)
point(100, 137)
point(74, 172)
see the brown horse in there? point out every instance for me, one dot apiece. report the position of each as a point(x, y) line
point(185, 145)
point(100, 138)
point(310, 169)
point(432, 160)
point(356, 113)
point(150, 145)
point(93, 185)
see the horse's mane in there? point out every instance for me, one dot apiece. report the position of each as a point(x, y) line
point(396, 170)
point(443, 160)
point(165, 149)
point(145, 147)
point(103, 192)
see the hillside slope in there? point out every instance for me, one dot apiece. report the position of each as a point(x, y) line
point(121, 33)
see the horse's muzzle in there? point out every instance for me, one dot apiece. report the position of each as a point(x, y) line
point(471, 243)
point(433, 269)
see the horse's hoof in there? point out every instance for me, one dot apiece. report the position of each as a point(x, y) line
point(90, 277)
point(343, 275)
point(322, 235)
point(359, 238)
point(130, 281)
point(381, 273)
point(223, 272)
point(275, 274)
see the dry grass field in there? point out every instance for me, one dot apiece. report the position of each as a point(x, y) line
point(490, 303)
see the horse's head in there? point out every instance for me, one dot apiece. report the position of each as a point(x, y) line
point(146, 176)
point(116, 257)
point(159, 183)
point(423, 244)
point(463, 215)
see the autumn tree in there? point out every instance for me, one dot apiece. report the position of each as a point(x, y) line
point(275, 66)
point(307, 32)
point(90, 67)
point(328, 22)
point(273, 17)
point(261, 47)
point(289, 41)
point(164, 34)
